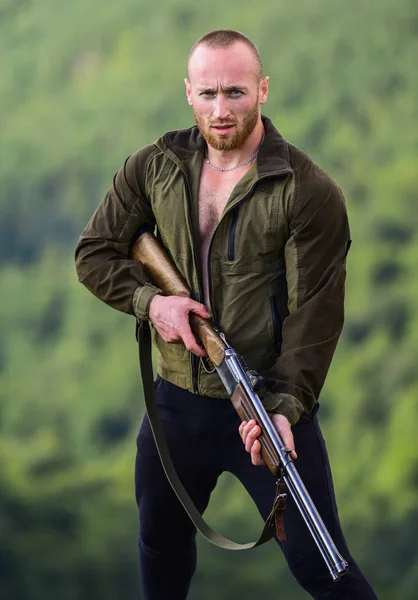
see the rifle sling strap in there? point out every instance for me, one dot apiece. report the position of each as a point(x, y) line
point(143, 335)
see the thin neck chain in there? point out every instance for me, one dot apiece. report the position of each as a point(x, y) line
point(241, 164)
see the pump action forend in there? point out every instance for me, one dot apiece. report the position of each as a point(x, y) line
point(241, 385)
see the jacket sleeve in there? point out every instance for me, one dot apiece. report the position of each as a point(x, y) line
point(101, 255)
point(315, 253)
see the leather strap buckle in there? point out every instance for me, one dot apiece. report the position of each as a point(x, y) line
point(275, 517)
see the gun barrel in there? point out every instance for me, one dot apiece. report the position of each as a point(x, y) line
point(336, 564)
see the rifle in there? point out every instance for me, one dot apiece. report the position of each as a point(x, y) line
point(241, 385)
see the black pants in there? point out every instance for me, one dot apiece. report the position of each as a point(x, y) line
point(202, 434)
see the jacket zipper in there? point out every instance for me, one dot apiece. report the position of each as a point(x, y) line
point(231, 241)
point(195, 366)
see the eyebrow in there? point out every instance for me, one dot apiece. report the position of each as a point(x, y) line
point(230, 88)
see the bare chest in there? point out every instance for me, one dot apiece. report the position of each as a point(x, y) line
point(214, 191)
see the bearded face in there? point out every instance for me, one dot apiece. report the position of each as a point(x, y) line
point(229, 133)
point(225, 90)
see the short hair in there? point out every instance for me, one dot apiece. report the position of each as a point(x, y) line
point(225, 38)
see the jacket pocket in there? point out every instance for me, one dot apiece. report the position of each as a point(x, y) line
point(231, 237)
point(277, 323)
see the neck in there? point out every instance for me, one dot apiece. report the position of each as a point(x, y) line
point(229, 158)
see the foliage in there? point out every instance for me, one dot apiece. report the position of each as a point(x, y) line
point(86, 84)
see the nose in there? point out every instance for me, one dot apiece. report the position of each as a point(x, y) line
point(221, 107)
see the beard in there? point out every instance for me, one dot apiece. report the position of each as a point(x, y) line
point(235, 140)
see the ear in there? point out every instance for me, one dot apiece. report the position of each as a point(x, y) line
point(188, 91)
point(264, 90)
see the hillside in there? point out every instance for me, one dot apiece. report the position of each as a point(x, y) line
point(86, 84)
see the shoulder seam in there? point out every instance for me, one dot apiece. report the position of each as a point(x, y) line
point(156, 152)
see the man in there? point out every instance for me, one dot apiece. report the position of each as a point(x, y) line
point(260, 233)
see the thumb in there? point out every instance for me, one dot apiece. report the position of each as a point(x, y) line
point(284, 429)
point(289, 442)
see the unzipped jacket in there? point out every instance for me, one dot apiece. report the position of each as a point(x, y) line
point(276, 262)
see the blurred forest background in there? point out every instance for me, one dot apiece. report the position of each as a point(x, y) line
point(83, 85)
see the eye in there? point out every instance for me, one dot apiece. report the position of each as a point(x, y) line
point(235, 92)
point(208, 94)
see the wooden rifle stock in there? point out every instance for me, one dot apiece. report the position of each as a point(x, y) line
point(165, 275)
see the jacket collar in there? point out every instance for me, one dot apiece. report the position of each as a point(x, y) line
point(185, 144)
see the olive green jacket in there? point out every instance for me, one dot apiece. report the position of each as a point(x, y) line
point(276, 263)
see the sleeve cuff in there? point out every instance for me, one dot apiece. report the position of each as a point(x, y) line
point(283, 404)
point(142, 299)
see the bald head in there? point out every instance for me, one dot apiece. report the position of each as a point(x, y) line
point(225, 39)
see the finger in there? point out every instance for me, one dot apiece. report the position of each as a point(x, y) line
point(192, 345)
point(246, 429)
point(200, 309)
point(256, 456)
point(241, 427)
point(252, 437)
